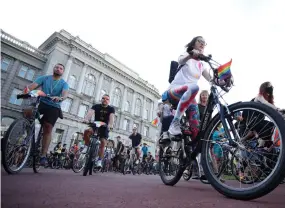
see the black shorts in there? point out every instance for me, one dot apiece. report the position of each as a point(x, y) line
point(103, 133)
point(50, 113)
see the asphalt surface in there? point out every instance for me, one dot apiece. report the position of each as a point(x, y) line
point(63, 188)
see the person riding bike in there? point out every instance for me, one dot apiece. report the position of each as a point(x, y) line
point(136, 141)
point(57, 89)
point(105, 113)
point(184, 87)
point(266, 97)
point(118, 153)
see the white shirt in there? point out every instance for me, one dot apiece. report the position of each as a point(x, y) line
point(189, 73)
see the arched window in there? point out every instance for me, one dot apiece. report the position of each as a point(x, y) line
point(72, 81)
point(89, 85)
point(127, 106)
point(117, 97)
point(138, 107)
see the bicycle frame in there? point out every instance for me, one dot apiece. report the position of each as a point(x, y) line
point(225, 118)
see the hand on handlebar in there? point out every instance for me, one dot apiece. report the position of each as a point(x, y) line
point(57, 99)
point(195, 53)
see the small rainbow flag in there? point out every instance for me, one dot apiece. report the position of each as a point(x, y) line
point(224, 71)
point(155, 121)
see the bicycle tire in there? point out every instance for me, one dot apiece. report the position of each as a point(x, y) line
point(75, 170)
point(4, 142)
point(89, 156)
point(275, 179)
point(178, 175)
point(36, 153)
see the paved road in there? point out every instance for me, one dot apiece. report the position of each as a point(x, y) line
point(63, 188)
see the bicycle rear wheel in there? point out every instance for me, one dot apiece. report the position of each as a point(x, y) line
point(273, 169)
point(36, 151)
point(16, 146)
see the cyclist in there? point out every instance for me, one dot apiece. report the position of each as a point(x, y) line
point(105, 113)
point(57, 88)
point(184, 87)
point(136, 141)
point(118, 153)
point(144, 151)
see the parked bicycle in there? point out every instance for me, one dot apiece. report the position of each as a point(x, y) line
point(180, 151)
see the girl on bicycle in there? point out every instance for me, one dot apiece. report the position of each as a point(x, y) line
point(184, 87)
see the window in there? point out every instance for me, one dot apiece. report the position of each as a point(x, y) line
point(82, 111)
point(89, 85)
point(57, 137)
point(138, 107)
point(5, 123)
point(145, 114)
point(126, 124)
point(5, 62)
point(26, 72)
point(13, 98)
point(136, 125)
point(127, 106)
point(115, 121)
point(103, 92)
point(72, 82)
point(146, 131)
point(117, 97)
point(66, 104)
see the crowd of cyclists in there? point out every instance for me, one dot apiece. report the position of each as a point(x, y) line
point(117, 158)
point(177, 100)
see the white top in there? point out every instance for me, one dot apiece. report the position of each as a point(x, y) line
point(189, 73)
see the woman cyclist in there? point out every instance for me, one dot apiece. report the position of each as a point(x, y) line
point(184, 87)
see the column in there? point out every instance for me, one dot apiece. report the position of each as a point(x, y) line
point(133, 103)
point(143, 107)
point(151, 116)
point(121, 124)
point(67, 68)
point(81, 79)
point(124, 98)
point(99, 87)
point(112, 89)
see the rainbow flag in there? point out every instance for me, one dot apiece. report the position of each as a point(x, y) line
point(224, 71)
point(155, 121)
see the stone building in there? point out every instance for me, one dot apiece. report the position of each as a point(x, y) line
point(90, 74)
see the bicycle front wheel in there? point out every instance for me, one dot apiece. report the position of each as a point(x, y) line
point(264, 160)
point(16, 146)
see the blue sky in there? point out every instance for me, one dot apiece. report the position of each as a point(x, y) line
point(147, 35)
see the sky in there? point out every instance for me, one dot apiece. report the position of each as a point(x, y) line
point(147, 35)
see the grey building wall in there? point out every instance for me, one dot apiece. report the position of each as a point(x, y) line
point(89, 73)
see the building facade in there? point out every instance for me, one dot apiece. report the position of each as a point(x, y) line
point(90, 74)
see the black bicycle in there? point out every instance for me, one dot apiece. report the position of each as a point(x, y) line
point(177, 154)
point(20, 141)
point(93, 148)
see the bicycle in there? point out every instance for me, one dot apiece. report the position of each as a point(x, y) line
point(176, 154)
point(93, 148)
point(28, 141)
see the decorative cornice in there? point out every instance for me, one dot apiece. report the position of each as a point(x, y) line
point(97, 57)
point(11, 40)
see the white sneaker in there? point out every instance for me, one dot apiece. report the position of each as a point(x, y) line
point(84, 150)
point(165, 135)
point(174, 128)
point(99, 163)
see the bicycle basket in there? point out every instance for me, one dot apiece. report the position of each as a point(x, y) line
point(28, 106)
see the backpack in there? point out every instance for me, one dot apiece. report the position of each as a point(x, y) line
point(174, 69)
